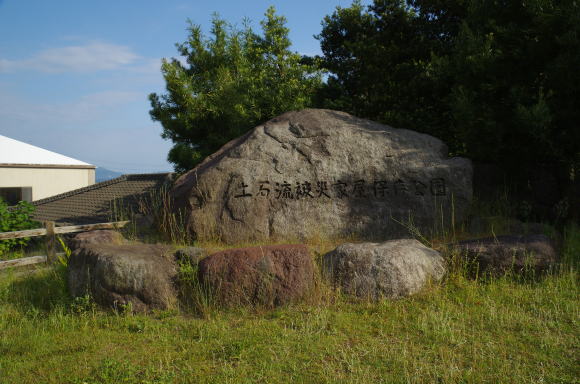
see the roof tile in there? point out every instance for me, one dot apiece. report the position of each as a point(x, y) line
point(101, 201)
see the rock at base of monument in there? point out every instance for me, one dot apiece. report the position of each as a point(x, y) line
point(266, 276)
point(510, 253)
point(102, 236)
point(392, 269)
point(136, 276)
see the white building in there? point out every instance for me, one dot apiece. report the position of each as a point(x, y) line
point(30, 173)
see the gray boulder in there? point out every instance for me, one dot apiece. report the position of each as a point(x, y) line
point(141, 275)
point(392, 269)
point(324, 173)
point(497, 255)
point(102, 236)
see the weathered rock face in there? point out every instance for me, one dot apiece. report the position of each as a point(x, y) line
point(103, 236)
point(393, 269)
point(116, 275)
point(322, 172)
point(497, 255)
point(267, 276)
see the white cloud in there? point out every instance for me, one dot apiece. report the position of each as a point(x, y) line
point(91, 57)
point(86, 109)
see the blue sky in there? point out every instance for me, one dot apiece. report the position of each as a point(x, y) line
point(75, 75)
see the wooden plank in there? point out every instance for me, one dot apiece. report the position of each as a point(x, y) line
point(23, 261)
point(60, 230)
point(21, 234)
point(90, 227)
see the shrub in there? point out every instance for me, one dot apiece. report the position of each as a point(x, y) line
point(17, 218)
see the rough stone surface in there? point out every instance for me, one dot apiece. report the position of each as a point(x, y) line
point(324, 173)
point(116, 275)
point(392, 269)
point(265, 276)
point(102, 236)
point(191, 255)
point(500, 254)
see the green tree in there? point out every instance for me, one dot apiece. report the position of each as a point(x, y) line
point(229, 83)
point(497, 80)
point(379, 60)
point(515, 85)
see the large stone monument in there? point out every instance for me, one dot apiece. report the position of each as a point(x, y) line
point(324, 173)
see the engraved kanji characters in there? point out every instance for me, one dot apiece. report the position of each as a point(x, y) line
point(243, 193)
point(303, 189)
point(284, 191)
point(438, 187)
point(380, 188)
point(358, 189)
point(264, 189)
point(340, 189)
point(420, 188)
point(322, 189)
point(401, 187)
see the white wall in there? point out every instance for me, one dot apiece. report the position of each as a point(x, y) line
point(46, 181)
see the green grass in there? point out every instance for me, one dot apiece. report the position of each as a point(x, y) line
point(500, 330)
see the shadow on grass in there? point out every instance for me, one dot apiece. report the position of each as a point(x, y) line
point(42, 290)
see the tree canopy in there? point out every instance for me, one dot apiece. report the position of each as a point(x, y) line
point(227, 84)
point(496, 80)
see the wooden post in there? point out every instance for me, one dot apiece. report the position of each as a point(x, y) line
point(50, 242)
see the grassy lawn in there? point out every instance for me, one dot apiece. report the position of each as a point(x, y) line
point(504, 330)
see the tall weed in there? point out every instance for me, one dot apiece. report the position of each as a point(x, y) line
point(195, 294)
point(170, 223)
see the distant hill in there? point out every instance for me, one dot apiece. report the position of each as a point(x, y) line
point(103, 174)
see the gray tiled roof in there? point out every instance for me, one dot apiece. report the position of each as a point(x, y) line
point(97, 203)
